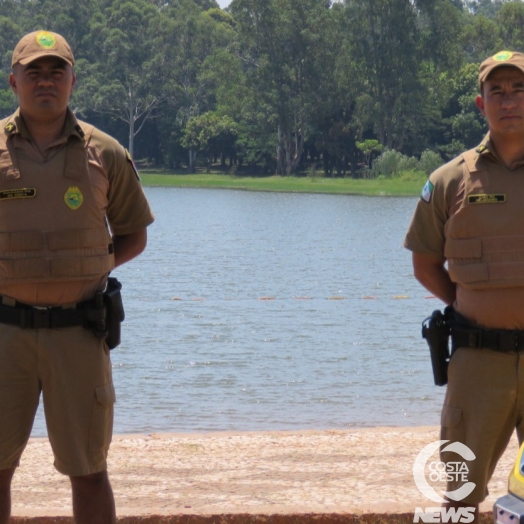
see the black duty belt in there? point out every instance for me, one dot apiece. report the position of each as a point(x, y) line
point(504, 340)
point(36, 317)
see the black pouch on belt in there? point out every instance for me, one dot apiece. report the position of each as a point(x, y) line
point(114, 311)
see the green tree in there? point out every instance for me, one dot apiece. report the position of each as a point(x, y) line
point(387, 67)
point(210, 134)
point(480, 37)
point(189, 38)
point(282, 44)
point(119, 77)
point(369, 148)
point(466, 124)
point(510, 19)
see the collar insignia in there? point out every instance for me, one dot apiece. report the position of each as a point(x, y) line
point(10, 128)
point(480, 149)
point(80, 131)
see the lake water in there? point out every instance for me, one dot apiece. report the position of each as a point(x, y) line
point(272, 311)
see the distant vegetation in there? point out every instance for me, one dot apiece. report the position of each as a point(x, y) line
point(401, 186)
point(361, 89)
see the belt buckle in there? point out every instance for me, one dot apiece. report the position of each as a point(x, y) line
point(519, 341)
point(41, 317)
point(475, 338)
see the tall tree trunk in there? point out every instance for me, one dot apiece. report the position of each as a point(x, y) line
point(131, 124)
point(192, 158)
point(281, 169)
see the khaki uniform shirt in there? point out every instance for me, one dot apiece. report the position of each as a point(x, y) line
point(489, 307)
point(118, 194)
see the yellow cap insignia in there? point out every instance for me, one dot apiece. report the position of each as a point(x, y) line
point(503, 56)
point(45, 39)
point(73, 198)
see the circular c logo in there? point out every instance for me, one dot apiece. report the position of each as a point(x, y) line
point(419, 471)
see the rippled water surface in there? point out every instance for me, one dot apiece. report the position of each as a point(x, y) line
point(266, 311)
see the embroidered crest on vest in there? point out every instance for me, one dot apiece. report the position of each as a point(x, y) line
point(73, 198)
point(25, 192)
point(486, 199)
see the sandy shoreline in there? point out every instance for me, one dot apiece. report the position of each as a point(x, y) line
point(353, 471)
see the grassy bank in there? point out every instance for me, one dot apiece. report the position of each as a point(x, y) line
point(382, 187)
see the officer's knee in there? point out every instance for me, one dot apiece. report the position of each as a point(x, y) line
point(6, 475)
point(92, 481)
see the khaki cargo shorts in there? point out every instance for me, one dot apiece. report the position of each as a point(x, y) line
point(72, 370)
point(484, 404)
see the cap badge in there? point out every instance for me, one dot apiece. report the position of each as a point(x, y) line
point(73, 198)
point(503, 56)
point(46, 40)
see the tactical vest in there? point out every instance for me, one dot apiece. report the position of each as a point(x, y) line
point(485, 237)
point(51, 227)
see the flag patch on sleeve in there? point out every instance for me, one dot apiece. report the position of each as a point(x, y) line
point(427, 191)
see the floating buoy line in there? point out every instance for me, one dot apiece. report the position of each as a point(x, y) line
point(335, 297)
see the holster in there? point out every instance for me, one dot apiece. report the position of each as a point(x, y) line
point(436, 329)
point(115, 314)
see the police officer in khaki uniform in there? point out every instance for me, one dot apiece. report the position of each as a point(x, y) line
point(467, 239)
point(71, 210)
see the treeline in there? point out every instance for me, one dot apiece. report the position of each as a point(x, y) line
point(275, 86)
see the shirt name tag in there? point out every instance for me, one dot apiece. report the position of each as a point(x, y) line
point(486, 199)
point(26, 192)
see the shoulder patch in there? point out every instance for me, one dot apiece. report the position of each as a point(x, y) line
point(130, 160)
point(427, 192)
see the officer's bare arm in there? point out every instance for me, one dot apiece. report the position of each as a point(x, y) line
point(432, 274)
point(129, 246)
